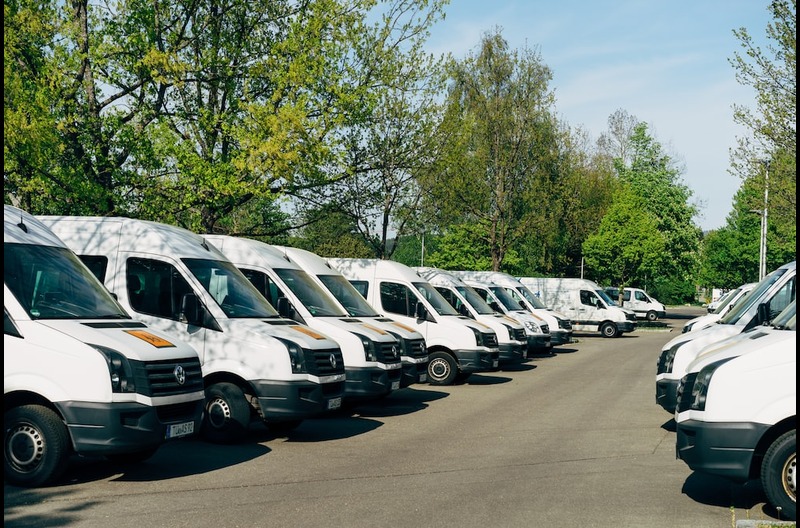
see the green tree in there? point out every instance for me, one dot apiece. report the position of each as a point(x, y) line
point(499, 145)
point(627, 245)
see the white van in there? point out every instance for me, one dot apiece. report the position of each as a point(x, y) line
point(642, 304)
point(727, 302)
point(585, 303)
point(457, 345)
point(511, 337)
point(557, 324)
point(257, 366)
point(413, 354)
point(371, 355)
point(537, 331)
point(737, 410)
point(79, 375)
point(770, 296)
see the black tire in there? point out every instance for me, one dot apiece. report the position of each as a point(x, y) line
point(779, 474)
point(37, 446)
point(442, 369)
point(126, 459)
point(609, 330)
point(227, 414)
point(652, 316)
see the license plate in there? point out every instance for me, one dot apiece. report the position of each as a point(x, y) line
point(181, 429)
point(395, 385)
point(495, 363)
point(423, 378)
point(334, 403)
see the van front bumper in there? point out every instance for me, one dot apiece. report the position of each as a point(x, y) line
point(512, 353)
point(297, 400)
point(481, 360)
point(667, 394)
point(416, 372)
point(724, 449)
point(123, 428)
point(560, 337)
point(537, 342)
point(369, 383)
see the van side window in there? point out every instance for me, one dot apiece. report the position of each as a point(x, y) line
point(451, 297)
point(265, 285)
point(626, 295)
point(361, 287)
point(157, 289)
point(97, 264)
point(782, 298)
point(640, 296)
point(588, 298)
point(397, 298)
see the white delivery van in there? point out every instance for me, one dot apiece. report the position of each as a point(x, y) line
point(79, 375)
point(511, 337)
point(371, 355)
point(413, 354)
point(737, 411)
point(558, 325)
point(636, 299)
point(257, 366)
point(585, 303)
point(770, 296)
point(457, 345)
point(537, 331)
point(727, 302)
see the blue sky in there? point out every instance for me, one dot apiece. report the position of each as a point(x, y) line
point(664, 62)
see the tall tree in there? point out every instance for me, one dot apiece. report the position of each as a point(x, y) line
point(500, 145)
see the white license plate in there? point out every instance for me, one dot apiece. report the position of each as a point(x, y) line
point(423, 378)
point(395, 385)
point(334, 403)
point(181, 429)
point(495, 362)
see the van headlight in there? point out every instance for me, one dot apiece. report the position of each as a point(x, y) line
point(369, 348)
point(699, 390)
point(297, 358)
point(532, 327)
point(687, 328)
point(120, 370)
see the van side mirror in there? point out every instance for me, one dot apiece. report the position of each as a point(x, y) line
point(495, 307)
point(463, 310)
point(763, 314)
point(420, 312)
point(284, 307)
point(191, 309)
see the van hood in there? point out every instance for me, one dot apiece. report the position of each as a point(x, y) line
point(357, 326)
point(758, 339)
point(288, 329)
point(390, 325)
point(133, 338)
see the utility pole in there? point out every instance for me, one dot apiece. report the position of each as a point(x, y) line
point(762, 258)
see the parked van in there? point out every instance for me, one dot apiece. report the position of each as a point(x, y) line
point(585, 303)
point(727, 302)
point(371, 355)
point(537, 331)
point(557, 324)
point(512, 341)
point(79, 375)
point(737, 410)
point(636, 299)
point(256, 364)
point(457, 345)
point(769, 297)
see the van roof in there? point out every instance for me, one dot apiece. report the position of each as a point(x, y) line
point(308, 260)
point(439, 277)
point(239, 249)
point(150, 237)
point(21, 227)
point(351, 267)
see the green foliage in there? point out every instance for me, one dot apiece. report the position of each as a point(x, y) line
point(627, 247)
point(461, 247)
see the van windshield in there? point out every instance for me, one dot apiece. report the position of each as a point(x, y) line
point(787, 319)
point(316, 299)
point(436, 299)
point(508, 302)
point(348, 296)
point(52, 283)
point(600, 293)
point(475, 300)
point(736, 313)
point(531, 298)
point(230, 288)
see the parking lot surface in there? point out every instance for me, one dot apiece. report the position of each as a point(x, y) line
point(569, 439)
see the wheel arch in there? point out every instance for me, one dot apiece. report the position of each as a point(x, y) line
point(772, 434)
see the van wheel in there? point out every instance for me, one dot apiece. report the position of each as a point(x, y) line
point(227, 414)
point(609, 330)
point(652, 316)
point(37, 446)
point(442, 369)
point(779, 475)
